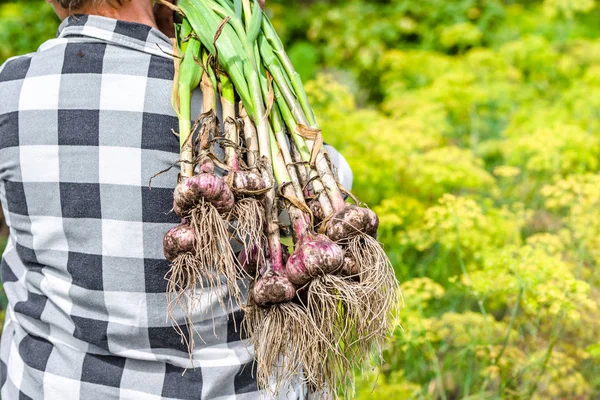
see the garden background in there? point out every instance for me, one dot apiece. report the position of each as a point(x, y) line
point(473, 128)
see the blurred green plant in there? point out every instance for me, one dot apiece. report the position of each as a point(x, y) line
point(24, 26)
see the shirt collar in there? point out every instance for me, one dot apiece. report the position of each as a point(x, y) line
point(121, 33)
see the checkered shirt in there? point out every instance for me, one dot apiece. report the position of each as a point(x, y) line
point(84, 123)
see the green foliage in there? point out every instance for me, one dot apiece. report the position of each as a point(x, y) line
point(473, 128)
point(24, 26)
point(568, 7)
point(567, 149)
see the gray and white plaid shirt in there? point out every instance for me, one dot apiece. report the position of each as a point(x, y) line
point(84, 123)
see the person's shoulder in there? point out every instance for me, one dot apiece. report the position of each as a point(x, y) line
point(15, 68)
point(50, 53)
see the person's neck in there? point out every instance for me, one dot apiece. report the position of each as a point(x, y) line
point(131, 11)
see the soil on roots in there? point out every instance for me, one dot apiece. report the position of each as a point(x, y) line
point(214, 256)
point(340, 312)
point(183, 279)
point(248, 224)
point(381, 288)
point(284, 343)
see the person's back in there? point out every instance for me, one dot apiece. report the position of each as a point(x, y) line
point(84, 124)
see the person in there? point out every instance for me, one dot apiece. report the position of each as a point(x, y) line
point(84, 123)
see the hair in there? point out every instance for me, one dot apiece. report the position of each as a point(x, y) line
point(74, 5)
